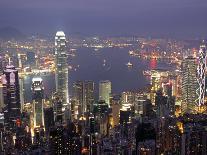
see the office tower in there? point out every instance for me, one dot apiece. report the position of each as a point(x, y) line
point(175, 86)
point(11, 94)
point(105, 91)
point(1, 65)
point(161, 104)
point(101, 113)
point(38, 101)
point(61, 74)
point(79, 96)
point(189, 85)
point(84, 95)
point(89, 94)
point(115, 107)
point(21, 86)
point(1, 97)
point(48, 118)
point(201, 75)
point(57, 107)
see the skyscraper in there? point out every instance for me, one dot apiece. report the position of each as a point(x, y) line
point(11, 93)
point(78, 89)
point(57, 107)
point(38, 101)
point(21, 87)
point(84, 95)
point(105, 91)
point(89, 94)
point(61, 76)
point(201, 75)
point(189, 85)
point(1, 97)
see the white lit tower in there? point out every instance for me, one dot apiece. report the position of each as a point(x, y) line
point(201, 75)
point(38, 101)
point(61, 75)
point(189, 85)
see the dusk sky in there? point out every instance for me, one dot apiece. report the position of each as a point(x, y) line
point(172, 18)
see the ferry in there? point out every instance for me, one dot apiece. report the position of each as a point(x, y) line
point(147, 73)
point(104, 62)
point(129, 64)
point(131, 52)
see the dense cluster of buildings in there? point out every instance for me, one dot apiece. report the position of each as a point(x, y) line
point(168, 118)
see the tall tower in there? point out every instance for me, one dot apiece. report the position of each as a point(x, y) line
point(105, 91)
point(38, 101)
point(89, 94)
point(84, 95)
point(201, 75)
point(189, 85)
point(78, 88)
point(11, 95)
point(61, 76)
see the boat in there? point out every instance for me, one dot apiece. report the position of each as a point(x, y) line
point(147, 73)
point(104, 62)
point(131, 52)
point(129, 64)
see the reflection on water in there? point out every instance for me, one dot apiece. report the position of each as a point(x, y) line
point(91, 68)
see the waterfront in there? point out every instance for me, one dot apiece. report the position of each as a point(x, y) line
point(104, 64)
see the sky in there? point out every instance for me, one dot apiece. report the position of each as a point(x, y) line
point(159, 18)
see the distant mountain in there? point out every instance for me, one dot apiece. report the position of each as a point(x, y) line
point(7, 33)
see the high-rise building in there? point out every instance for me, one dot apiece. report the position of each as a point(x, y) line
point(89, 94)
point(1, 97)
point(78, 89)
point(11, 93)
point(84, 95)
point(38, 101)
point(57, 107)
point(48, 118)
point(61, 75)
point(189, 85)
point(21, 87)
point(201, 76)
point(105, 91)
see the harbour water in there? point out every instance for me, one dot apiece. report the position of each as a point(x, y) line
point(103, 64)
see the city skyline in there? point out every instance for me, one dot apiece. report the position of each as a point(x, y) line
point(111, 77)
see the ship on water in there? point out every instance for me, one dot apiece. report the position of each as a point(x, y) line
point(129, 64)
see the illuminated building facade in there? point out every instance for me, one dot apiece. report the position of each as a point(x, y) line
point(105, 91)
point(61, 75)
point(84, 95)
point(189, 85)
point(201, 75)
point(11, 93)
point(38, 102)
point(1, 97)
point(57, 107)
point(157, 78)
point(21, 86)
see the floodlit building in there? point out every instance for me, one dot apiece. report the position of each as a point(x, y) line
point(61, 74)
point(201, 75)
point(38, 101)
point(11, 93)
point(105, 91)
point(189, 85)
point(84, 95)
